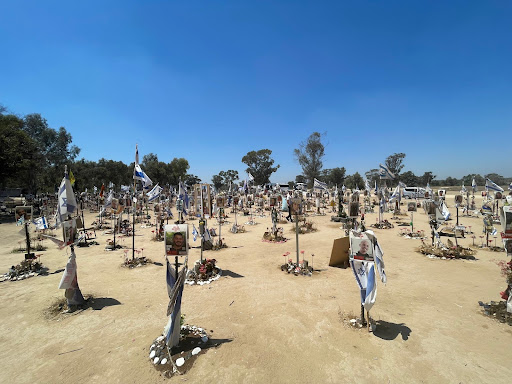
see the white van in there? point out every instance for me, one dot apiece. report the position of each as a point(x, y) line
point(413, 193)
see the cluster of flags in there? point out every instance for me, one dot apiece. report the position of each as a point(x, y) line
point(385, 173)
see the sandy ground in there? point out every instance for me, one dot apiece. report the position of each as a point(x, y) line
point(271, 327)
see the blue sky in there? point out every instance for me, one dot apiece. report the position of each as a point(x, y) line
point(212, 80)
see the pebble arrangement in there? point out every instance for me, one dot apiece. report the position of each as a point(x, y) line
point(159, 354)
point(24, 276)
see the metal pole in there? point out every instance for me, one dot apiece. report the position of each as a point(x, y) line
point(297, 236)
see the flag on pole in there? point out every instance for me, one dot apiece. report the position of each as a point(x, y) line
point(67, 202)
point(251, 177)
point(396, 194)
point(463, 189)
point(41, 223)
point(473, 185)
point(136, 154)
point(489, 184)
point(317, 184)
point(367, 185)
point(385, 173)
point(402, 184)
point(125, 188)
point(154, 193)
point(183, 195)
point(194, 232)
point(175, 286)
point(108, 200)
point(343, 188)
point(71, 178)
point(138, 174)
point(376, 189)
point(510, 187)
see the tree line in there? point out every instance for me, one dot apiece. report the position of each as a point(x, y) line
point(33, 156)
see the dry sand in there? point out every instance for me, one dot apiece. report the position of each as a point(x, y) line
point(272, 327)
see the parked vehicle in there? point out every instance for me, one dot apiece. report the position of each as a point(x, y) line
point(413, 193)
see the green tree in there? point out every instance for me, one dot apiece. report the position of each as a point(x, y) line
point(190, 180)
point(409, 178)
point(334, 176)
point(300, 179)
point(498, 179)
point(395, 164)
point(353, 181)
point(309, 155)
point(259, 165)
point(228, 177)
point(178, 168)
point(427, 178)
point(217, 182)
point(19, 156)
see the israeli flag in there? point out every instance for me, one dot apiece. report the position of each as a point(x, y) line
point(343, 188)
point(385, 173)
point(194, 232)
point(473, 185)
point(510, 187)
point(183, 195)
point(67, 202)
point(108, 200)
point(402, 185)
point(154, 193)
point(364, 273)
point(367, 185)
point(493, 186)
point(319, 185)
point(138, 174)
point(463, 190)
point(396, 194)
point(125, 188)
point(41, 223)
point(175, 286)
point(251, 177)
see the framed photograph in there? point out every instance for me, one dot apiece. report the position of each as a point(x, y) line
point(427, 195)
point(411, 206)
point(69, 231)
point(498, 195)
point(458, 199)
point(176, 239)
point(273, 201)
point(296, 207)
point(353, 209)
point(221, 201)
point(115, 204)
point(25, 211)
point(235, 200)
point(361, 248)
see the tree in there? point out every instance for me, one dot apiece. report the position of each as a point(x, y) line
point(353, 181)
point(427, 178)
point(217, 181)
point(19, 155)
point(309, 155)
point(372, 176)
point(409, 178)
point(228, 177)
point(334, 176)
point(55, 148)
point(190, 180)
point(394, 163)
point(300, 179)
point(451, 181)
point(178, 168)
point(259, 165)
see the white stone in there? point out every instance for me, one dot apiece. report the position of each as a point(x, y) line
point(152, 347)
point(353, 321)
point(204, 339)
point(160, 338)
point(164, 361)
point(157, 359)
point(180, 361)
point(195, 351)
point(152, 354)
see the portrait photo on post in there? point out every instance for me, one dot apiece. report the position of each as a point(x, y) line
point(507, 244)
point(353, 209)
point(176, 239)
point(411, 206)
point(25, 211)
point(361, 248)
point(296, 207)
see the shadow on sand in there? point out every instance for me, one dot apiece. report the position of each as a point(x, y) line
point(228, 273)
point(389, 331)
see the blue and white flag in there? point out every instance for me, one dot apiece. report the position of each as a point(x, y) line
point(108, 200)
point(385, 173)
point(194, 232)
point(396, 194)
point(251, 177)
point(41, 223)
point(376, 189)
point(343, 188)
point(319, 185)
point(183, 195)
point(138, 174)
point(367, 185)
point(67, 202)
point(20, 221)
point(489, 184)
point(125, 188)
point(402, 184)
point(175, 286)
point(364, 272)
point(154, 193)
point(510, 187)
point(463, 189)
point(169, 213)
point(473, 185)
point(95, 189)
